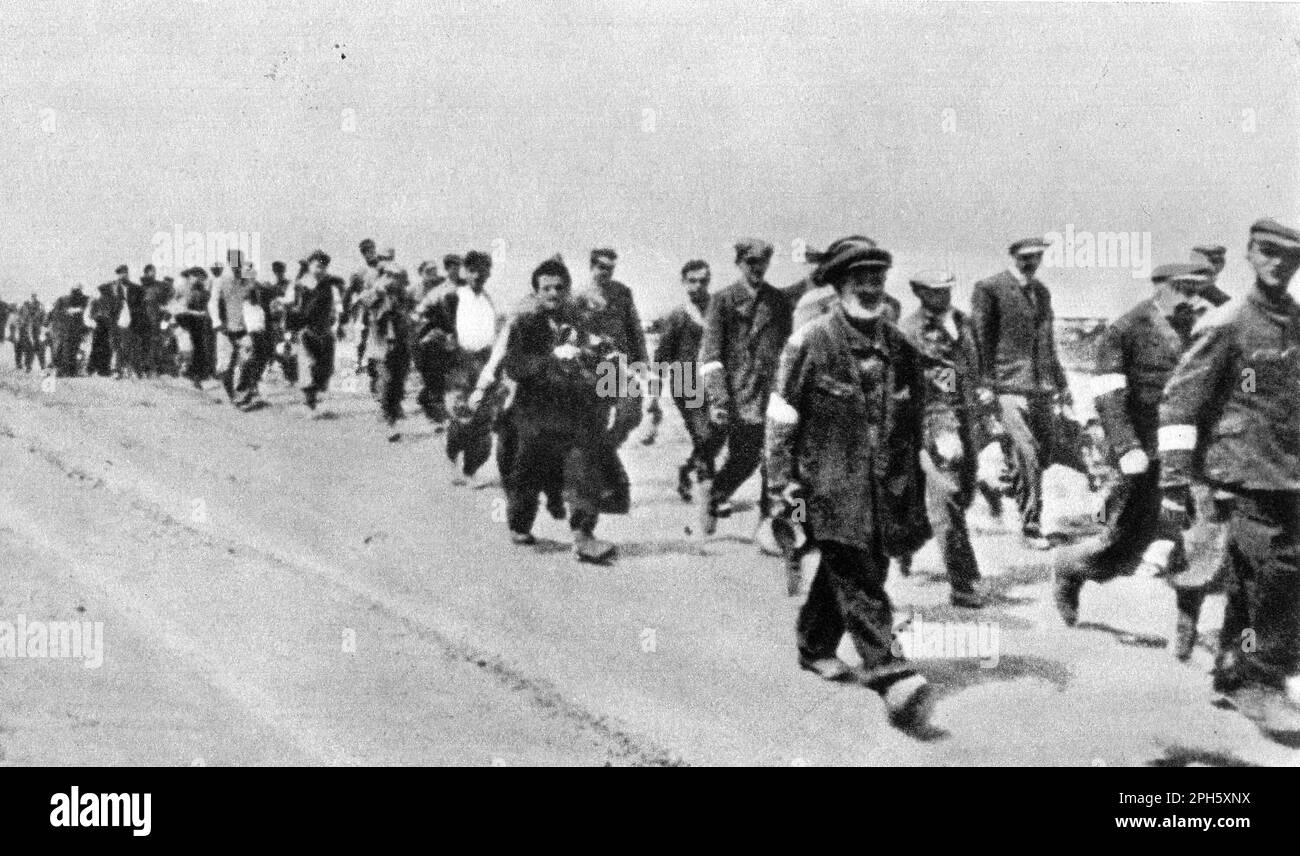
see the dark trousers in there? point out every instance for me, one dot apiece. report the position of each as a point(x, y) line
point(470, 430)
point(200, 332)
point(1260, 639)
point(100, 361)
point(706, 442)
point(848, 596)
point(949, 464)
point(542, 462)
point(1132, 519)
point(391, 382)
point(744, 455)
point(429, 362)
point(138, 348)
point(67, 345)
point(1028, 448)
point(258, 349)
point(27, 348)
point(319, 348)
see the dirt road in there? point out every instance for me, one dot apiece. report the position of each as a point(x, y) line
point(282, 587)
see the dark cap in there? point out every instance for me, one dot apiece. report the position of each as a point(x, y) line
point(121, 269)
point(1210, 251)
point(604, 253)
point(854, 255)
point(1028, 247)
point(753, 248)
point(1274, 232)
point(452, 260)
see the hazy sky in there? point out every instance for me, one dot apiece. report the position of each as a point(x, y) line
point(664, 129)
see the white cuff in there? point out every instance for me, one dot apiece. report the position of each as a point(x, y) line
point(1176, 438)
point(1102, 384)
point(780, 410)
point(1158, 553)
point(709, 368)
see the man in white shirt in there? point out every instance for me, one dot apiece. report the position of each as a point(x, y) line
point(466, 322)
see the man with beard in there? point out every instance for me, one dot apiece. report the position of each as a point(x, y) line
point(559, 420)
point(68, 323)
point(105, 310)
point(744, 331)
point(28, 334)
point(1230, 416)
point(1020, 370)
point(611, 314)
point(843, 453)
point(812, 298)
point(679, 349)
point(312, 316)
point(463, 325)
point(1135, 358)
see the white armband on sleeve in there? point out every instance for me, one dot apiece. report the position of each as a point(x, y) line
point(1102, 384)
point(781, 411)
point(1176, 438)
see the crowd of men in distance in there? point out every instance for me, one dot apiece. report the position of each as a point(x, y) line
point(865, 427)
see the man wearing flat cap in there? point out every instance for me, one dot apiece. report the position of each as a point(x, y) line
point(844, 424)
point(1230, 416)
point(1135, 357)
point(1013, 318)
point(1215, 255)
point(944, 335)
point(745, 328)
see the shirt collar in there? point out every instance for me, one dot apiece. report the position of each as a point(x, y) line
point(1020, 277)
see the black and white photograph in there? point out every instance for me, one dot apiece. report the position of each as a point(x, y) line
point(388, 383)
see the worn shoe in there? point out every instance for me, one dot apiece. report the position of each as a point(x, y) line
point(555, 507)
point(905, 565)
point(589, 548)
point(1065, 594)
point(1270, 710)
point(910, 701)
point(827, 668)
point(310, 398)
point(967, 599)
point(523, 539)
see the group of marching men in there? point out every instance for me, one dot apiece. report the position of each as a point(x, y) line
point(865, 427)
